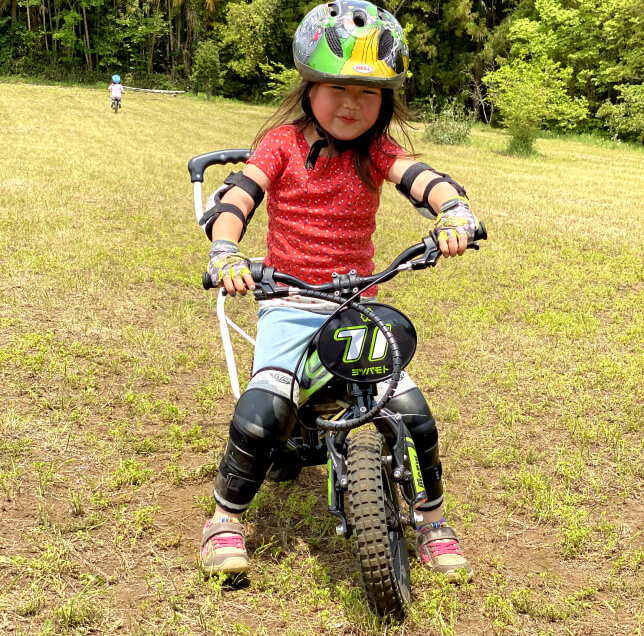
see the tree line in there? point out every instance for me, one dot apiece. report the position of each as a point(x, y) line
point(587, 55)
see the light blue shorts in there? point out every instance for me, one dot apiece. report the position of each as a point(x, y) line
point(283, 333)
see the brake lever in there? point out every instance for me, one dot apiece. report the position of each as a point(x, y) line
point(265, 285)
point(430, 255)
point(432, 251)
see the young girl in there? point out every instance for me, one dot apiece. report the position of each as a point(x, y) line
point(322, 172)
point(115, 88)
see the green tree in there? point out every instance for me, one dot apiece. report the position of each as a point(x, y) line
point(447, 41)
point(251, 28)
point(66, 34)
point(626, 117)
point(600, 40)
point(532, 95)
point(280, 81)
point(206, 69)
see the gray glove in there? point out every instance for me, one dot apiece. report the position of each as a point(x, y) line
point(226, 260)
point(455, 218)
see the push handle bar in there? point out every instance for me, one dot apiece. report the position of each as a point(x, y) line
point(197, 165)
point(267, 277)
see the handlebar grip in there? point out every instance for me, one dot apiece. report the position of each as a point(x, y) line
point(197, 165)
point(481, 232)
point(206, 281)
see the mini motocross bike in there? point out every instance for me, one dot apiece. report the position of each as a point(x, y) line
point(374, 479)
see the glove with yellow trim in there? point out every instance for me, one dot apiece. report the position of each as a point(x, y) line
point(226, 260)
point(455, 218)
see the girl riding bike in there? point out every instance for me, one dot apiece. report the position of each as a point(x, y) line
point(116, 91)
point(322, 160)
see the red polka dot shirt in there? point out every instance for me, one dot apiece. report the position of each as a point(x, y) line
point(320, 221)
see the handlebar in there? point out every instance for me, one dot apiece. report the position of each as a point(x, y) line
point(197, 165)
point(343, 285)
point(344, 289)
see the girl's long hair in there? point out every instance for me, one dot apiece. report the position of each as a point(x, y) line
point(296, 110)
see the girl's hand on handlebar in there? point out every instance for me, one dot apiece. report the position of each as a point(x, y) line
point(453, 246)
point(238, 284)
point(455, 226)
point(229, 268)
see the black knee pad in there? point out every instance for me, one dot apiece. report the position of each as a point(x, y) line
point(261, 421)
point(264, 415)
point(421, 424)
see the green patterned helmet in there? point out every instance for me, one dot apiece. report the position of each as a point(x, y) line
point(351, 42)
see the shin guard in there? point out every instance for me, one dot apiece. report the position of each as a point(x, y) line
point(260, 422)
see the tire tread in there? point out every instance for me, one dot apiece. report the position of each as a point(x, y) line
point(368, 519)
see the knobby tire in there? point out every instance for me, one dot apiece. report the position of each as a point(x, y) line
point(380, 546)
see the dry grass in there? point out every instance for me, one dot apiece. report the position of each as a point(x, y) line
point(114, 393)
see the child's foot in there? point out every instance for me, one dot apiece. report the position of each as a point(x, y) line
point(438, 547)
point(223, 548)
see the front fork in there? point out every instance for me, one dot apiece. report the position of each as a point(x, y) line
point(405, 469)
point(337, 479)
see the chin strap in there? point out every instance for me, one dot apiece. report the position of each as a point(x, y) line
point(327, 140)
point(317, 146)
point(314, 152)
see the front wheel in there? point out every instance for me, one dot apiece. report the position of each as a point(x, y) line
point(374, 514)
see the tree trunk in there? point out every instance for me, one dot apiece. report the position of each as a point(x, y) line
point(190, 20)
point(57, 14)
point(88, 54)
point(44, 23)
point(151, 55)
point(171, 60)
point(51, 29)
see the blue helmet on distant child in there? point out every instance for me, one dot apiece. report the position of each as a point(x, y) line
point(116, 79)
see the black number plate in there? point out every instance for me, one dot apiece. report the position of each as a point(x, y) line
point(350, 346)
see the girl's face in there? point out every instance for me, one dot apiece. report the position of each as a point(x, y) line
point(345, 111)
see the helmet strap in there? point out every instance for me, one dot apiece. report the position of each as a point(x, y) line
point(317, 146)
point(314, 152)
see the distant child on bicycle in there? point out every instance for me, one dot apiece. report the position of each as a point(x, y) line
point(116, 89)
point(322, 159)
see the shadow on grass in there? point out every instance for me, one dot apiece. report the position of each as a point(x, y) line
point(292, 517)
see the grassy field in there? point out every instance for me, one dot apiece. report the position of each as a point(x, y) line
point(115, 399)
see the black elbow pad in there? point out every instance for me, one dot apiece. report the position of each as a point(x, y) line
point(215, 207)
point(423, 206)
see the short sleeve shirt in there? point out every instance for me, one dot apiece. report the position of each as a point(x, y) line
point(117, 90)
point(320, 221)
